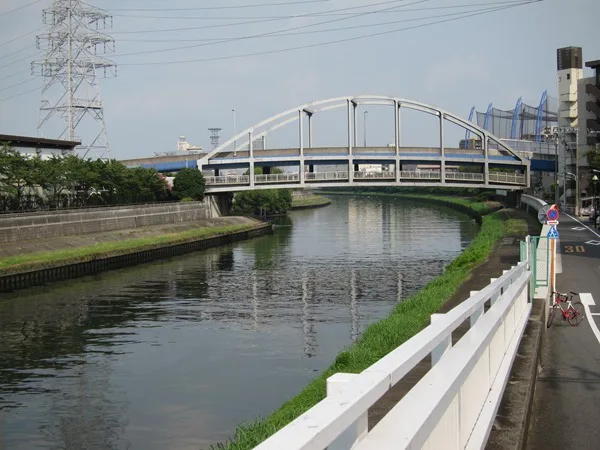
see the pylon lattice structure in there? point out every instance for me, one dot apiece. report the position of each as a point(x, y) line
point(74, 47)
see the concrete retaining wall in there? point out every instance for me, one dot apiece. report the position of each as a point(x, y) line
point(57, 272)
point(16, 227)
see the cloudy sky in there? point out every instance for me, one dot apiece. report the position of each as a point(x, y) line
point(182, 70)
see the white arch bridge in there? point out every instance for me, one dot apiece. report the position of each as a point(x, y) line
point(485, 162)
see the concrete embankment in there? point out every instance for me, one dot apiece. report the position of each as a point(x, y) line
point(310, 202)
point(69, 251)
point(22, 227)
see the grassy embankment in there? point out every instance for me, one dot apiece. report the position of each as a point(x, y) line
point(33, 261)
point(406, 320)
point(312, 201)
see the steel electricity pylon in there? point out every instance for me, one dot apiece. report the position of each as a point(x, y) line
point(74, 48)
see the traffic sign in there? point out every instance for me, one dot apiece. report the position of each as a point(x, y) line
point(542, 214)
point(552, 222)
point(552, 213)
point(553, 233)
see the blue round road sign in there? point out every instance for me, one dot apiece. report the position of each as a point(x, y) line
point(552, 214)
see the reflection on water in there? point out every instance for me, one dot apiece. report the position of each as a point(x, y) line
point(176, 353)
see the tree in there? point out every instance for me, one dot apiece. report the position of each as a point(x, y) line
point(263, 202)
point(189, 183)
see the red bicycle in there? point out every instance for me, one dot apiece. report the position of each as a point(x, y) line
point(573, 313)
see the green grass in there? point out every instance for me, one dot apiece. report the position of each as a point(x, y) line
point(106, 249)
point(314, 200)
point(406, 320)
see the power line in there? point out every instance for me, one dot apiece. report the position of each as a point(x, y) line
point(14, 75)
point(18, 84)
point(19, 60)
point(19, 8)
point(297, 16)
point(263, 34)
point(208, 8)
point(15, 52)
point(322, 44)
point(344, 28)
point(21, 36)
point(20, 93)
point(315, 14)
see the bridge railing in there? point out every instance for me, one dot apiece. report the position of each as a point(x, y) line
point(294, 177)
point(386, 174)
point(453, 406)
point(421, 175)
point(464, 176)
point(326, 176)
point(509, 178)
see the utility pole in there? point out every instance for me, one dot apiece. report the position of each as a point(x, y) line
point(71, 97)
point(556, 189)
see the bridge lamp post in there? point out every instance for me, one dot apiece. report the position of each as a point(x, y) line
point(234, 133)
point(365, 127)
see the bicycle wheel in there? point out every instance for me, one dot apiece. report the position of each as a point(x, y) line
point(550, 316)
point(576, 314)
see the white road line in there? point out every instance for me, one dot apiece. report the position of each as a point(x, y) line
point(588, 301)
point(594, 314)
point(584, 225)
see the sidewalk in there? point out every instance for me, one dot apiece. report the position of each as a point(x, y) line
point(566, 410)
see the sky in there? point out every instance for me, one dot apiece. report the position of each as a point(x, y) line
point(491, 56)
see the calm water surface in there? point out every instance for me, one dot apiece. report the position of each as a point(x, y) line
point(176, 353)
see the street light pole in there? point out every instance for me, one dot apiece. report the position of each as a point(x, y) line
point(594, 181)
point(365, 126)
point(234, 132)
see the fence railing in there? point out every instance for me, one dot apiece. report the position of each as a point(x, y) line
point(294, 177)
point(508, 178)
point(326, 176)
point(453, 406)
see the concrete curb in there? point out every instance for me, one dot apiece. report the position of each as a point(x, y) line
point(511, 426)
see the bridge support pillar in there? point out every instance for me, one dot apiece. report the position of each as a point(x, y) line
point(350, 172)
point(220, 203)
point(397, 168)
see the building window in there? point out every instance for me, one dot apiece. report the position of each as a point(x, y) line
point(568, 76)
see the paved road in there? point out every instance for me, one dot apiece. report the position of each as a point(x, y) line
point(566, 411)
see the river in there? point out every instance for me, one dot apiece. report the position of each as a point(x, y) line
point(176, 353)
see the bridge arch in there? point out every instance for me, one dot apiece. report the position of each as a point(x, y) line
point(492, 148)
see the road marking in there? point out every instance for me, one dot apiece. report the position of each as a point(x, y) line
point(584, 225)
point(593, 242)
point(588, 301)
point(578, 229)
point(595, 314)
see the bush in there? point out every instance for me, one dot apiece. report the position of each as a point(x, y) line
point(187, 199)
point(189, 183)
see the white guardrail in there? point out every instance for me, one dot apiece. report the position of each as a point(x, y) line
point(452, 407)
point(495, 177)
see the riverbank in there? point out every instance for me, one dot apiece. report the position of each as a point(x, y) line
point(23, 264)
point(407, 318)
point(314, 201)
